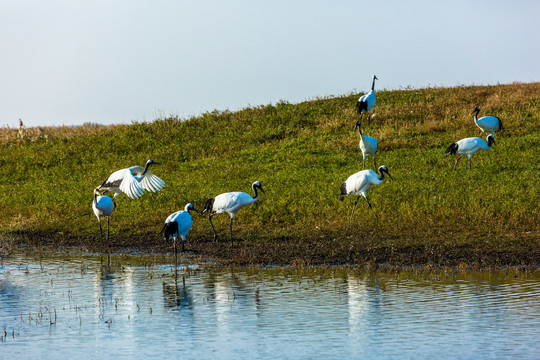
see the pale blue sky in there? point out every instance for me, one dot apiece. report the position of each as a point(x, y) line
point(118, 61)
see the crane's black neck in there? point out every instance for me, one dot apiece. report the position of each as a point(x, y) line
point(373, 85)
point(476, 111)
point(256, 192)
point(146, 167)
point(381, 176)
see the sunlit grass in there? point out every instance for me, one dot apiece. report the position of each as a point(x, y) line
point(301, 153)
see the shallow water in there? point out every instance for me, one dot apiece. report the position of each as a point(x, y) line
point(59, 308)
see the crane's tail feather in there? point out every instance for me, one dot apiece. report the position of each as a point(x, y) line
point(208, 205)
point(343, 191)
point(500, 124)
point(169, 229)
point(452, 149)
point(361, 106)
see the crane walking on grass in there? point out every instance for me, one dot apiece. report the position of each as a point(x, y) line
point(361, 182)
point(488, 124)
point(230, 203)
point(177, 225)
point(469, 146)
point(367, 144)
point(102, 206)
point(133, 181)
point(367, 101)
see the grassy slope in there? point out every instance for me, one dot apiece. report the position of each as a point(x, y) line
point(301, 154)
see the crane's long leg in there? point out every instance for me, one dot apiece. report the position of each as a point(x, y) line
point(469, 163)
point(175, 252)
point(108, 245)
point(354, 206)
point(188, 250)
point(230, 232)
point(364, 156)
point(215, 233)
point(368, 202)
point(374, 162)
point(456, 162)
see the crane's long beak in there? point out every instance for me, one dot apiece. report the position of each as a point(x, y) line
point(262, 190)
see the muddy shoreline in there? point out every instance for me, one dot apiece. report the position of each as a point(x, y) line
point(292, 251)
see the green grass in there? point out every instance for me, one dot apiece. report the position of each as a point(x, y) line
point(301, 153)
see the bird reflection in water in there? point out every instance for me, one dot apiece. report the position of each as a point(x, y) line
point(177, 295)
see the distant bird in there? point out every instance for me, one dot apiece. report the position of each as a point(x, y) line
point(102, 206)
point(361, 182)
point(230, 203)
point(178, 225)
point(368, 144)
point(367, 101)
point(488, 124)
point(469, 146)
point(133, 181)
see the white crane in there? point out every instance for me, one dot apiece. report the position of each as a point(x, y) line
point(230, 203)
point(361, 182)
point(367, 144)
point(102, 206)
point(133, 181)
point(177, 225)
point(469, 146)
point(367, 101)
point(488, 124)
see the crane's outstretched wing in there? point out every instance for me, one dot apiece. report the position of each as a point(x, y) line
point(130, 186)
point(151, 182)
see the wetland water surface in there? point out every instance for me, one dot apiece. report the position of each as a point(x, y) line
point(77, 308)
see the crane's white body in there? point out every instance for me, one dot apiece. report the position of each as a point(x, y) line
point(231, 203)
point(184, 221)
point(360, 183)
point(469, 146)
point(368, 145)
point(369, 98)
point(102, 206)
point(132, 181)
point(488, 124)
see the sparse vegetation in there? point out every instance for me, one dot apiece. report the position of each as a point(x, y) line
point(301, 153)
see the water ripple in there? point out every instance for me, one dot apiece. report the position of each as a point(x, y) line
point(77, 307)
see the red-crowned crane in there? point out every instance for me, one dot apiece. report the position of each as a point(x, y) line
point(361, 182)
point(177, 225)
point(133, 181)
point(469, 146)
point(488, 124)
point(367, 102)
point(367, 144)
point(230, 203)
point(102, 206)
